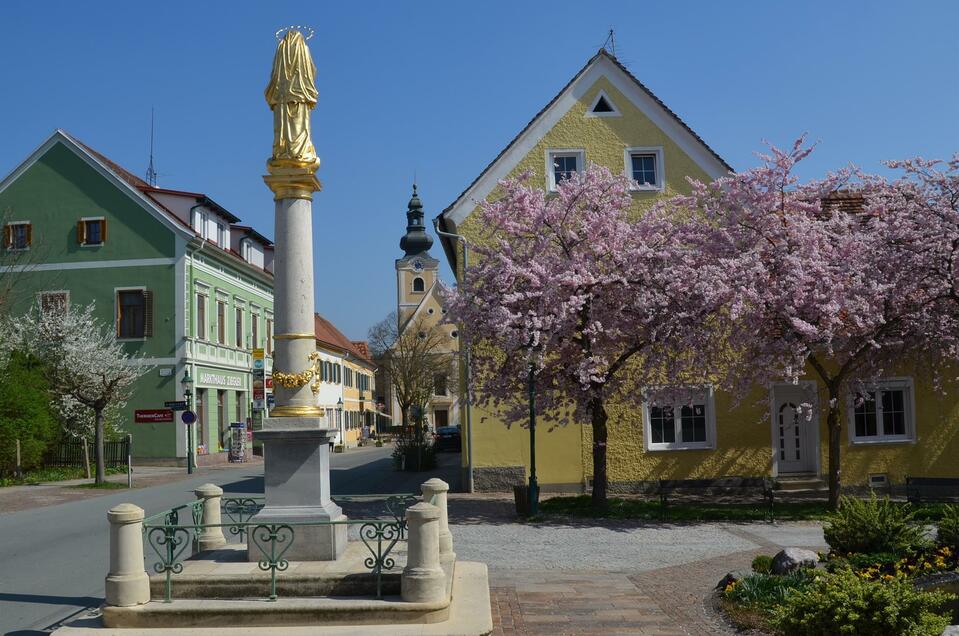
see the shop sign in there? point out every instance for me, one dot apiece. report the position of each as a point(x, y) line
point(148, 416)
point(216, 379)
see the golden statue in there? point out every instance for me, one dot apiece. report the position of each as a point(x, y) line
point(291, 95)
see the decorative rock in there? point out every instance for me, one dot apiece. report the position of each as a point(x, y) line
point(732, 577)
point(792, 559)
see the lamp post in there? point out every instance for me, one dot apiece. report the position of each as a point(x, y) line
point(339, 423)
point(533, 483)
point(187, 384)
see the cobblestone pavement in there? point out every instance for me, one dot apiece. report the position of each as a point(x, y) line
point(609, 577)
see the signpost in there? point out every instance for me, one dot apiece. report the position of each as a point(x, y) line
point(179, 405)
point(259, 380)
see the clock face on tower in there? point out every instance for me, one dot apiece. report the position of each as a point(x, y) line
point(418, 265)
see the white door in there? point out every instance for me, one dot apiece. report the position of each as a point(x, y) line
point(795, 435)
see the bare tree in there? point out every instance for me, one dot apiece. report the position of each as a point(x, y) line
point(415, 360)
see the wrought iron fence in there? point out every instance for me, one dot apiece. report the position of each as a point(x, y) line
point(170, 533)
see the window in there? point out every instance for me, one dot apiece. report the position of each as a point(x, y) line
point(439, 384)
point(884, 414)
point(92, 232)
point(645, 167)
point(221, 322)
point(269, 336)
point(238, 328)
point(18, 235)
point(562, 164)
point(602, 106)
point(134, 313)
point(418, 284)
point(201, 316)
point(53, 302)
point(687, 423)
point(221, 235)
point(255, 329)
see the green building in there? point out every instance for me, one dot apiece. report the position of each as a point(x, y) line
point(186, 286)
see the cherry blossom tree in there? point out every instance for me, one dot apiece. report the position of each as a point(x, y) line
point(597, 298)
point(90, 374)
point(847, 277)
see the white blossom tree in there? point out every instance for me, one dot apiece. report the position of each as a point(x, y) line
point(91, 376)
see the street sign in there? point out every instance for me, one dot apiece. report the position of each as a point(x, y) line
point(258, 354)
point(258, 364)
point(179, 405)
point(258, 405)
point(188, 417)
point(148, 416)
point(270, 400)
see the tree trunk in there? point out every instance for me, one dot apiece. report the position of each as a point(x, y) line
point(834, 428)
point(98, 447)
point(598, 414)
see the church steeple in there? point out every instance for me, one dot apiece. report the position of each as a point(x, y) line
point(416, 240)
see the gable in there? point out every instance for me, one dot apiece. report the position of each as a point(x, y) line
point(58, 186)
point(563, 123)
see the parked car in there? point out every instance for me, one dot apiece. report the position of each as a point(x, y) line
point(447, 438)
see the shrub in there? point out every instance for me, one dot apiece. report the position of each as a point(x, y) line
point(872, 525)
point(843, 603)
point(948, 534)
point(766, 590)
point(25, 414)
point(763, 564)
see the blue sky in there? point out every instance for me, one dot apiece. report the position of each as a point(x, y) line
point(438, 88)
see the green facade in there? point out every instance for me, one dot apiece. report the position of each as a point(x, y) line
point(146, 248)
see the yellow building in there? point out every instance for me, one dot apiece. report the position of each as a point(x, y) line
point(607, 116)
point(346, 383)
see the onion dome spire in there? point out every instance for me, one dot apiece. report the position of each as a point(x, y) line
point(416, 240)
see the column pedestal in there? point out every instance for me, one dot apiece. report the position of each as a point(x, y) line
point(296, 477)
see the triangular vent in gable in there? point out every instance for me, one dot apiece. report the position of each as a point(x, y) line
point(602, 106)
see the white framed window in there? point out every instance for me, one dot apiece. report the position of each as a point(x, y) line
point(562, 164)
point(18, 235)
point(602, 106)
point(644, 165)
point(687, 423)
point(885, 414)
point(221, 236)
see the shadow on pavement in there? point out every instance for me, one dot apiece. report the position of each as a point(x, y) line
point(377, 476)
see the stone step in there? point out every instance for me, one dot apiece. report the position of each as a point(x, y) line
point(468, 614)
point(801, 484)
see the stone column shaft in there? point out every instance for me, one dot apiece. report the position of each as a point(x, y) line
point(127, 582)
point(210, 538)
point(423, 580)
point(435, 492)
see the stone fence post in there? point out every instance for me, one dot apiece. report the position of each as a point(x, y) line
point(210, 538)
point(435, 492)
point(423, 580)
point(127, 582)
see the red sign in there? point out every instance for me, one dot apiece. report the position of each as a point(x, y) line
point(148, 416)
point(269, 383)
point(257, 393)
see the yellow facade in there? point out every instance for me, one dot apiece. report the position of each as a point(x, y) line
point(358, 404)
point(745, 437)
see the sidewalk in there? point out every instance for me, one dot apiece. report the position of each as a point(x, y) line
point(51, 493)
point(601, 577)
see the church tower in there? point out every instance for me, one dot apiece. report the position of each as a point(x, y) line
point(416, 270)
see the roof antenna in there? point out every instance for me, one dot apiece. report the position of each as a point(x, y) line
point(151, 170)
point(611, 41)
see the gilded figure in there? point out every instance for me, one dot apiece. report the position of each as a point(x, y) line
point(291, 95)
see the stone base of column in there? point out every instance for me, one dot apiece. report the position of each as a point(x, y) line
point(125, 590)
point(296, 476)
point(310, 543)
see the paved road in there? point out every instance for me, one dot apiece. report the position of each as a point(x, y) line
point(53, 559)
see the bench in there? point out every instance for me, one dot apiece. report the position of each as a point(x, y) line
point(761, 486)
point(932, 489)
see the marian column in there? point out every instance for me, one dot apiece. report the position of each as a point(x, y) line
point(296, 440)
